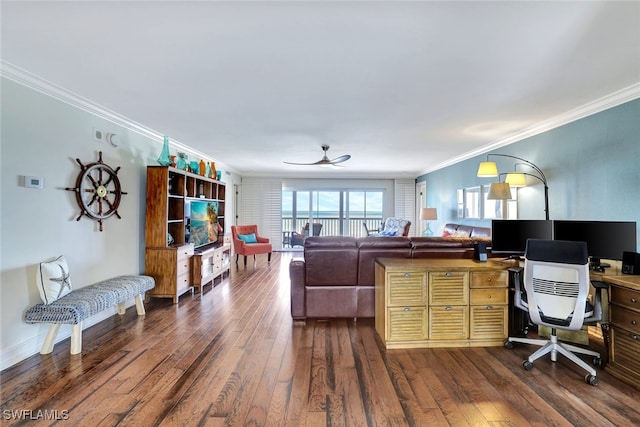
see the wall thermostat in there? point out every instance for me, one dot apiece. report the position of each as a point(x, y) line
point(33, 182)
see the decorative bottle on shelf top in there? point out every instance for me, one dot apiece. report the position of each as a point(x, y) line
point(181, 163)
point(194, 166)
point(213, 173)
point(202, 167)
point(165, 157)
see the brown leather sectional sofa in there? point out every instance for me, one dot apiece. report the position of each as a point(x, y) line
point(336, 277)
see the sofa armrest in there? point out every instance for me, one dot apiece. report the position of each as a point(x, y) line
point(298, 279)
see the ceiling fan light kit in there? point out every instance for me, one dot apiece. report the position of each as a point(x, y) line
point(325, 161)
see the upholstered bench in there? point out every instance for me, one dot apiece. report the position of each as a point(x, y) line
point(83, 303)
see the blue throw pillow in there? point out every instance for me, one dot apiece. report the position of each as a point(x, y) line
point(388, 233)
point(248, 238)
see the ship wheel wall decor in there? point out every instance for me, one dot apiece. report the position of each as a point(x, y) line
point(97, 190)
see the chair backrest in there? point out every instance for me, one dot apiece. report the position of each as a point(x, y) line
point(556, 280)
point(317, 228)
point(242, 229)
point(399, 226)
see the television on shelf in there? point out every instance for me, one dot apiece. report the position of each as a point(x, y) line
point(201, 218)
point(509, 236)
point(605, 239)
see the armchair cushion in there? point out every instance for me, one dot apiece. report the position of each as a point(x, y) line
point(248, 238)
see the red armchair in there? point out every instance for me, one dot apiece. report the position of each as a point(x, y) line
point(247, 241)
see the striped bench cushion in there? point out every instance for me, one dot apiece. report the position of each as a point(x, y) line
point(83, 303)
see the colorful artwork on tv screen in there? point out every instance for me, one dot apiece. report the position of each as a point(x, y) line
point(204, 223)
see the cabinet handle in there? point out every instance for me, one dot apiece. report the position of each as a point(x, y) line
point(448, 274)
point(633, 322)
point(447, 308)
point(633, 336)
point(633, 300)
point(489, 307)
point(407, 274)
point(489, 280)
point(406, 309)
point(489, 296)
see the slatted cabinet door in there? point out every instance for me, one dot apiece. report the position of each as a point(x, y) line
point(448, 305)
point(406, 296)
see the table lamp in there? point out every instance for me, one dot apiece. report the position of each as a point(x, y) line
point(427, 214)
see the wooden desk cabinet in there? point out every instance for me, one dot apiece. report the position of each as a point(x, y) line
point(441, 303)
point(624, 318)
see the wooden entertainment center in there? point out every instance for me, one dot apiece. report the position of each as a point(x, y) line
point(441, 302)
point(173, 261)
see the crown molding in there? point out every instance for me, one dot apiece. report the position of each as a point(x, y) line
point(25, 78)
point(38, 84)
point(611, 100)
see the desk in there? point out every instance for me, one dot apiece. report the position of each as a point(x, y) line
point(422, 303)
point(624, 321)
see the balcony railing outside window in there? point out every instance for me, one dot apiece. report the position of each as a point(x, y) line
point(331, 226)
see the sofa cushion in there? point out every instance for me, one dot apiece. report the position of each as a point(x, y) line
point(375, 242)
point(463, 231)
point(441, 242)
point(331, 261)
point(371, 248)
point(481, 232)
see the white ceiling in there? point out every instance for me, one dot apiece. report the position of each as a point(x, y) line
point(404, 87)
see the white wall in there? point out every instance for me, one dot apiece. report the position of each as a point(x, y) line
point(42, 136)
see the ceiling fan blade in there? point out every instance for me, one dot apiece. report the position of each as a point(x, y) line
point(324, 161)
point(300, 164)
point(341, 159)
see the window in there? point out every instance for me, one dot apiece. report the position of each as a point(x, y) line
point(473, 203)
point(341, 212)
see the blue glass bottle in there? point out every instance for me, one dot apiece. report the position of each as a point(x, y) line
point(165, 157)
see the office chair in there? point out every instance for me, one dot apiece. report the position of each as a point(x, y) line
point(556, 282)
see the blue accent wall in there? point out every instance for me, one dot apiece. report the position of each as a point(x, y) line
point(592, 167)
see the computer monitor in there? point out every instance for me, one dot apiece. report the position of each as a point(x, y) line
point(605, 239)
point(509, 236)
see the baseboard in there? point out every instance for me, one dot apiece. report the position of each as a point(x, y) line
point(31, 346)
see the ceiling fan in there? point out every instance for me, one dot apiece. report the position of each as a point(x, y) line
point(325, 161)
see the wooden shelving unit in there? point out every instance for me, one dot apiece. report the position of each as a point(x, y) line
point(168, 255)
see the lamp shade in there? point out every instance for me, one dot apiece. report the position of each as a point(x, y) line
point(428, 214)
point(499, 191)
point(487, 169)
point(516, 179)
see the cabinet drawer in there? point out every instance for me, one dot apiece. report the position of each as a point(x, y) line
point(182, 282)
point(485, 279)
point(448, 322)
point(182, 266)
point(406, 323)
point(406, 289)
point(627, 319)
point(184, 252)
point(449, 288)
point(625, 298)
point(626, 349)
point(488, 322)
point(489, 296)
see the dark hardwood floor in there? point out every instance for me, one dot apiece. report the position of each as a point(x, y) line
point(234, 357)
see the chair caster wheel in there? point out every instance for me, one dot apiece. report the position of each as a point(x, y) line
point(527, 365)
point(597, 362)
point(591, 379)
point(508, 344)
